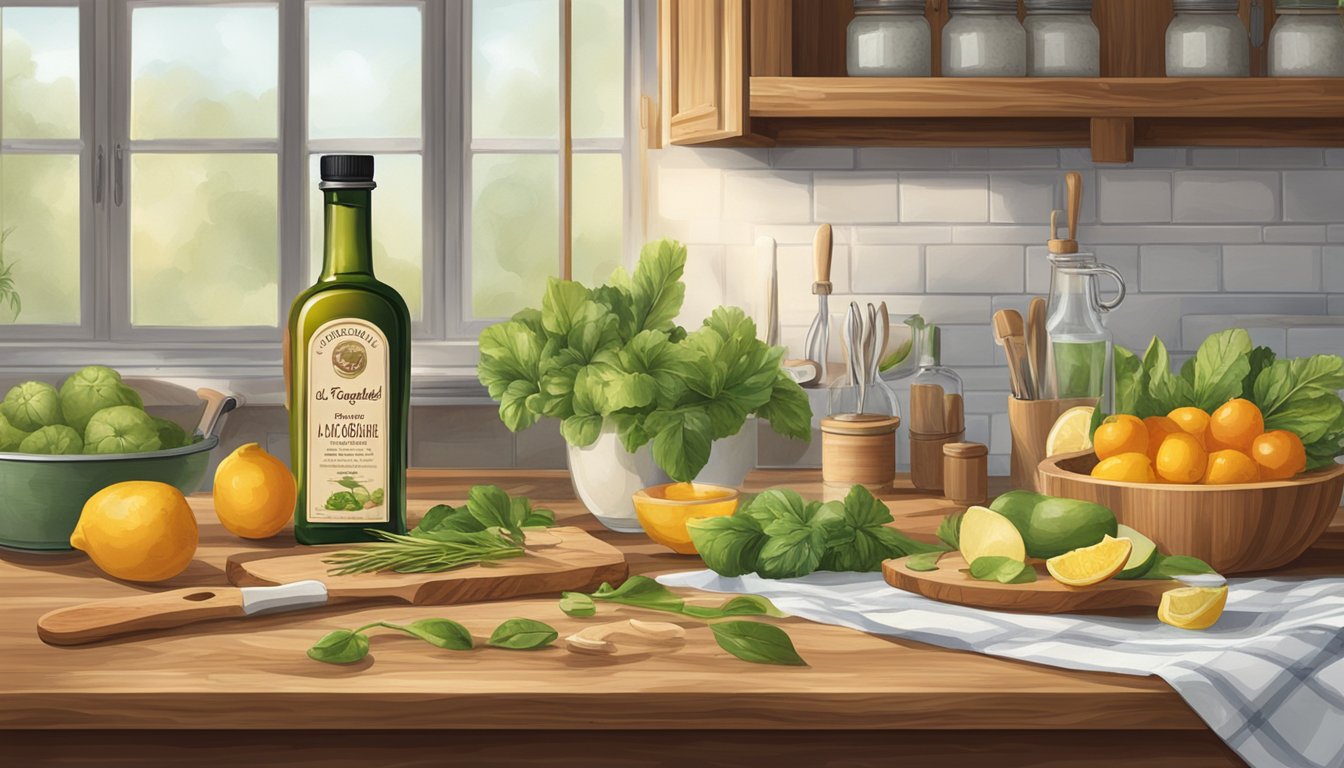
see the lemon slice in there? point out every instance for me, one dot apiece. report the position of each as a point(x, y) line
point(1072, 432)
point(1192, 607)
point(1090, 565)
point(986, 533)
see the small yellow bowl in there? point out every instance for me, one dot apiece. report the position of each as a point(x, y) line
point(664, 511)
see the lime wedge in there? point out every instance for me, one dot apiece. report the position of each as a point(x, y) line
point(1141, 557)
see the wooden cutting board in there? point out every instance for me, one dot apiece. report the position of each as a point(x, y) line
point(557, 560)
point(949, 584)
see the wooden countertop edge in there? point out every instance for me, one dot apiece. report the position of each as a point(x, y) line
point(664, 711)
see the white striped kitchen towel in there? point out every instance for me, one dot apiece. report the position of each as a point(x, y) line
point(1268, 678)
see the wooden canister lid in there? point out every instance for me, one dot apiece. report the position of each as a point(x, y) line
point(965, 450)
point(860, 424)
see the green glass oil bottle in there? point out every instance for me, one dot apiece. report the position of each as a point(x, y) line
point(348, 372)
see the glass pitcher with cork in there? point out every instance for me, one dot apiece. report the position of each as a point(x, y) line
point(1078, 353)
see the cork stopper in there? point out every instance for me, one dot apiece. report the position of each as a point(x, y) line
point(1074, 181)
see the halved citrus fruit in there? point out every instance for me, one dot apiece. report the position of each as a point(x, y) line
point(1192, 607)
point(1071, 432)
point(1091, 565)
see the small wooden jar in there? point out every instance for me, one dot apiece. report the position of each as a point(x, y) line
point(926, 459)
point(966, 473)
point(859, 450)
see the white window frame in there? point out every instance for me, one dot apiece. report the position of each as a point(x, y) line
point(445, 338)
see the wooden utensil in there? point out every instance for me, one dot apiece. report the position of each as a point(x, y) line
point(1029, 422)
point(767, 272)
point(571, 560)
point(1036, 353)
point(1010, 334)
point(818, 341)
point(949, 585)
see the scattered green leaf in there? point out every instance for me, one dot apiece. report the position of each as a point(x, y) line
point(340, 647)
point(756, 642)
point(1004, 570)
point(523, 635)
point(577, 604)
point(925, 561)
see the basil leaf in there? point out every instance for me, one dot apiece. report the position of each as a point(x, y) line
point(788, 410)
point(1221, 365)
point(538, 518)
point(949, 531)
point(577, 604)
point(1004, 570)
point(1261, 358)
point(443, 518)
point(745, 605)
point(1171, 566)
point(641, 592)
point(656, 289)
point(340, 647)
point(681, 441)
point(1131, 382)
point(730, 546)
point(757, 643)
point(522, 635)
point(925, 561)
point(441, 633)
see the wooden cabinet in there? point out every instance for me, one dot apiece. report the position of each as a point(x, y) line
point(772, 72)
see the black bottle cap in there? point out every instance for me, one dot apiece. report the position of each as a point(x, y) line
point(351, 168)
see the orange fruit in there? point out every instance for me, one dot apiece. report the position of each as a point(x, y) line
point(1181, 459)
point(1235, 425)
point(1279, 454)
point(1158, 429)
point(254, 493)
point(1120, 434)
point(1192, 421)
point(1126, 468)
point(1229, 467)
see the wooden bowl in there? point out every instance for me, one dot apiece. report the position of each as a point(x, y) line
point(1234, 528)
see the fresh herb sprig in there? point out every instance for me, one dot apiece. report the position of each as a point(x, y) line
point(488, 528)
point(781, 536)
point(348, 646)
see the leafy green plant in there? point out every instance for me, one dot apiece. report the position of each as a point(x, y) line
point(1301, 395)
point(489, 527)
point(614, 355)
point(8, 293)
point(781, 536)
point(348, 646)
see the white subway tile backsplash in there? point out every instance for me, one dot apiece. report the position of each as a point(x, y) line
point(1333, 263)
point(672, 156)
point(1295, 233)
point(975, 268)
point(1000, 436)
point(1180, 268)
point(1022, 157)
point(1200, 197)
point(1272, 268)
point(704, 270)
point(883, 269)
point(767, 197)
point(1125, 258)
point(1076, 158)
point(855, 197)
point(1324, 340)
point(935, 309)
point(996, 234)
point(690, 193)
point(944, 199)
point(1334, 157)
point(1160, 157)
point(797, 269)
point(1281, 157)
point(1209, 157)
point(1169, 234)
point(912, 234)
point(1334, 233)
point(902, 158)
point(977, 428)
point(1313, 196)
point(799, 234)
point(1131, 197)
point(1021, 198)
point(1336, 305)
point(812, 158)
point(971, 157)
point(964, 345)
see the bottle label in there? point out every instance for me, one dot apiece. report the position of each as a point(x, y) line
point(347, 423)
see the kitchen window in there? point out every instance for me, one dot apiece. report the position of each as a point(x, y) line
point(158, 162)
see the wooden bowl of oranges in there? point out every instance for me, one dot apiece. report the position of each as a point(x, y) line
point(1217, 486)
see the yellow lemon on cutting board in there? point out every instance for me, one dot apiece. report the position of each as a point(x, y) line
point(1192, 607)
point(254, 493)
point(137, 531)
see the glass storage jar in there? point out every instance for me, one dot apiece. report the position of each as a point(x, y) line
point(1307, 40)
point(889, 38)
point(1207, 39)
point(983, 38)
point(1062, 40)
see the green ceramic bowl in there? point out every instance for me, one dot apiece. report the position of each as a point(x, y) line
point(41, 497)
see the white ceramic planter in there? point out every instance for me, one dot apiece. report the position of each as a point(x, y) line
point(605, 475)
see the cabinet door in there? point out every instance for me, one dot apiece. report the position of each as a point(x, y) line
point(704, 54)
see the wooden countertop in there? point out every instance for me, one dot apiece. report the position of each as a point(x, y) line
point(253, 674)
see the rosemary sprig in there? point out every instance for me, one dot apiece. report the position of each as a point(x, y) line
point(412, 554)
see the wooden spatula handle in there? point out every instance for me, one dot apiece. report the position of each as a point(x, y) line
point(91, 622)
point(821, 255)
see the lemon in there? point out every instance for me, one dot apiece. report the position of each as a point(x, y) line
point(1090, 565)
point(1192, 607)
point(986, 533)
point(254, 493)
point(137, 531)
point(1072, 432)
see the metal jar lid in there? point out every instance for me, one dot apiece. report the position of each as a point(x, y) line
point(1290, 6)
point(982, 6)
point(1059, 6)
point(889, 6)
point(1206, 6)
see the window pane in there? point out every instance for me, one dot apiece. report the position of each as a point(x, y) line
point(204, 72)
point(363, 72)
point(39, 223)
point(598, 217)
point(515, 70)
point(598, 31)
point(204, 240)
point(41, 73)
point(398, 250)
point(515, 231)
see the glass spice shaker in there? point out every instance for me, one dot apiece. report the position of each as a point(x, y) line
point(1062, 40)
point(889, 38)
point(937, 412)
point(983, 38)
